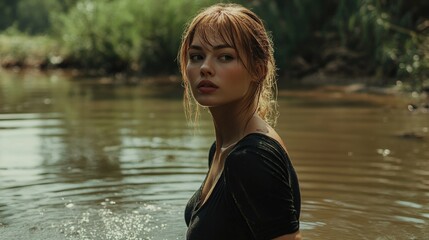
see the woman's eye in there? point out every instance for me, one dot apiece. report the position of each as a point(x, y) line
point(195, 57)
point(226, 58)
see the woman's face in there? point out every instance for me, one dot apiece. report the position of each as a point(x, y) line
point(216, 75)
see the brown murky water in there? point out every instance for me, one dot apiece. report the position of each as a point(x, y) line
point(87, 160)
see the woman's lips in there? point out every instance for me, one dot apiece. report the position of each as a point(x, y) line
point(206, 86)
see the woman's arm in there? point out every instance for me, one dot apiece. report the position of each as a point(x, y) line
point(258, 180)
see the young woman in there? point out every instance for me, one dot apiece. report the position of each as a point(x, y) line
point(251, 189)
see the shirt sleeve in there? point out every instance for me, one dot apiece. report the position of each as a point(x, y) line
point(260, 184)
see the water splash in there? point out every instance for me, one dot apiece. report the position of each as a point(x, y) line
point(107, 224)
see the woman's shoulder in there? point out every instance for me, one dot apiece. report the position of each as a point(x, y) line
point(262, 142)
point(257, 158)
point(260, 133)
point(257, 150)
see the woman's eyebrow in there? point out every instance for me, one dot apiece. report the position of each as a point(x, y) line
point(221, 46)
point(196, 47)
point(217, 47)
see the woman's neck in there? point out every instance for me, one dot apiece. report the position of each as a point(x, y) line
point(231, 123)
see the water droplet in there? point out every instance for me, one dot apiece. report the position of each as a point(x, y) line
point(383, 152)
point(69, 205)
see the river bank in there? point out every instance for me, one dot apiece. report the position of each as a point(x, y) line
point(327, 89)
point(336, 65)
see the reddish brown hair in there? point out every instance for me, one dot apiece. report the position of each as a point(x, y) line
point(245, 32)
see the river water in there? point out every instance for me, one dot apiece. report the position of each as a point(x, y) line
point(100, 159)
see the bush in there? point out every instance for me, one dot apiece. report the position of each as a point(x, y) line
point(18, 49)
point(294, 26)
point(120, 35)
point(387, 33)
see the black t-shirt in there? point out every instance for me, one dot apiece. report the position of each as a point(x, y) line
point(256, 197)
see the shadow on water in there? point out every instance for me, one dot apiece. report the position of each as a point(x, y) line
point(99, 159)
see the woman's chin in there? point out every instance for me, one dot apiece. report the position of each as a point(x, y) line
point(206, 102)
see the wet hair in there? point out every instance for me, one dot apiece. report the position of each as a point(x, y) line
point(243, 30)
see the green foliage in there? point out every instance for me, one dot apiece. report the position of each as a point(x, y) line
point(8, 14)
point(17, 49)
point(388, 39)
point(31, 16)
point(413, 64)
point(293, 24)
point(126, 34)
point(385, 32)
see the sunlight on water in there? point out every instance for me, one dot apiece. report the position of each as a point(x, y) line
point(108, 224)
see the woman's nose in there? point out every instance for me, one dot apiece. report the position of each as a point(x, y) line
point(206, 68)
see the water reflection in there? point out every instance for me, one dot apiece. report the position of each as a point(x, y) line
point(105, 160)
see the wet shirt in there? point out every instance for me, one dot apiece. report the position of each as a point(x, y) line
point(256, 197)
